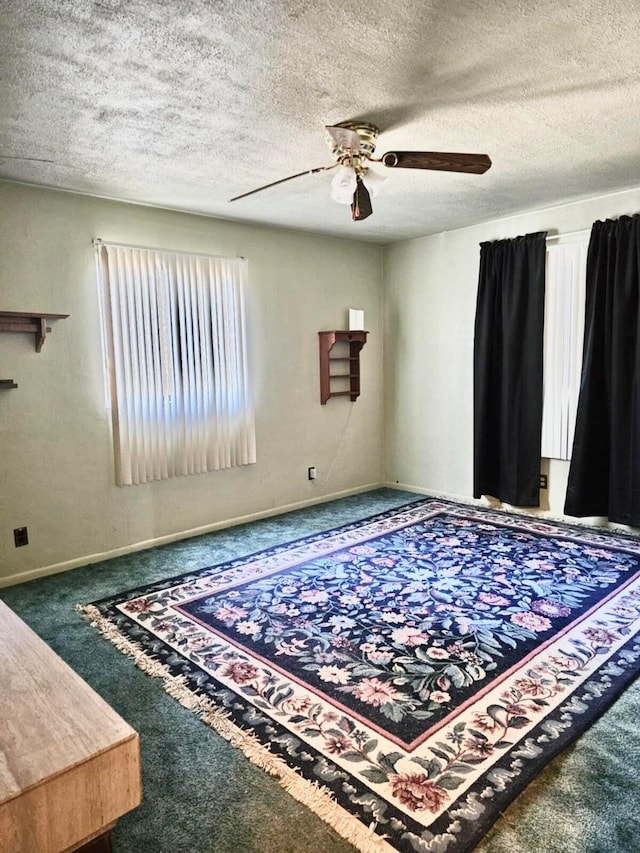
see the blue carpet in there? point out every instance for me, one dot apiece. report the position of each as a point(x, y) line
point(202, 795)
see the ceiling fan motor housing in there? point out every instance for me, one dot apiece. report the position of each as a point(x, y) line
point(367, 134)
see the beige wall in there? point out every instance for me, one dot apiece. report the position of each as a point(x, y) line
point(430, 296)
point(56, 467)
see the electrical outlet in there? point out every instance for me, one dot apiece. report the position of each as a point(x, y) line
point(20, 536)
point(311, 472)
point(543, 481)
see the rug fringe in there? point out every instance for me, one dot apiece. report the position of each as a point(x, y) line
point(317, 798)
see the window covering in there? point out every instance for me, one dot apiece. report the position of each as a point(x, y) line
point(604, 476)
point(508, 365)
point(176, 361)
point(563, 333)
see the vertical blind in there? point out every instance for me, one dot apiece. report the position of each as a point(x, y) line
point(176, 360)
point(563, 335)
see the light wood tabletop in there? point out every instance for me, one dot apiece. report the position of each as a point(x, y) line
point(69, 765)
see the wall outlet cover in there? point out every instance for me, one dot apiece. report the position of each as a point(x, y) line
point(20, 536)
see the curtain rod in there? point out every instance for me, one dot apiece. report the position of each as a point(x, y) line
point(98, 241)
point(568, 234)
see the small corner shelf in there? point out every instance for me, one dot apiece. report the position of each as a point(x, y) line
point(340, 368)
point(24, 321)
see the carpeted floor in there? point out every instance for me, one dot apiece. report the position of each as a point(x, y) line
point(201, 795)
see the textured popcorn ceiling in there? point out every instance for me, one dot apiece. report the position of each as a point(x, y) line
point(186, 104)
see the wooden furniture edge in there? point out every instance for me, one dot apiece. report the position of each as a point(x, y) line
point(60, 830)
point(69, 763)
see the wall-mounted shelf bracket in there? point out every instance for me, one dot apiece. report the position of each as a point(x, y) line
point(346, 383)
point(25, 321)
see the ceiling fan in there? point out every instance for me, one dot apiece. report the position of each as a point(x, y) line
point(353, 144)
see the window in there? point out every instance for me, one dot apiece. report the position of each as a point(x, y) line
point(563, 339)
point(176, 362)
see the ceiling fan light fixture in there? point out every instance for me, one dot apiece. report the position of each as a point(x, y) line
point(373, 181)
point(344, 185)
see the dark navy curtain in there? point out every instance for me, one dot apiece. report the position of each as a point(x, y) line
point(508, 370)
point(604, 476)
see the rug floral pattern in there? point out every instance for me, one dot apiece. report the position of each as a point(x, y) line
point(421, 665)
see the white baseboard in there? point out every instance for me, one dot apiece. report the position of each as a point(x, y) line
point(430, 493)
point(88, 559)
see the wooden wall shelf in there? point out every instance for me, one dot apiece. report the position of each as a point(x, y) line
point(26, 321)
point(340, 369)
point(7, 383)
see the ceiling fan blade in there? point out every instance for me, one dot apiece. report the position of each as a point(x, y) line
point(32, 159)
point(282, 180)
point(346, 139)
point(475, 164)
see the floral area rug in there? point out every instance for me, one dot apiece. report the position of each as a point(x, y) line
point(407, 675)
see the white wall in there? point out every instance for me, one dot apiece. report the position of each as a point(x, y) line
point(430, 297)
point(56, 466)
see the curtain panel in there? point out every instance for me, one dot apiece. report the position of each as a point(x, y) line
point(176, 362)
point(604, 477)
point(508, 362)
